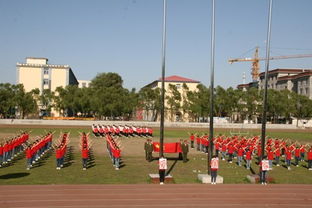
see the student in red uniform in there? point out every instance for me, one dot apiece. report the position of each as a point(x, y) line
point(240, 154)
point(85, 156)
point(302, 152)
point(288, 154)
point(214, 169)
point(29, 155)
point(248, 158)
point(116, 155)
point(1, 154)
point(297, 156)
point(230, 152)
point(310, 159)
point(270, 154)
point(277, 153)
point(198, 142)
point(223, 150)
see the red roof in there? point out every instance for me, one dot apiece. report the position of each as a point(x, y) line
point(175, 78)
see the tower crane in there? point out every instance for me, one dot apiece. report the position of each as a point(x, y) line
point(255, 69)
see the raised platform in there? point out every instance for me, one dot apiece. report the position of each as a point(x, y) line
point(205, 178)
point(155, 178)
point(256, 178)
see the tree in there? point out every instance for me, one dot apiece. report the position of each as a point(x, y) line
point(199, 102)
point(173, 101)
point(303, 108)
point(108, 95)
point(149, 100)
point(25, 102)
point(7, 100)
point(46, 102)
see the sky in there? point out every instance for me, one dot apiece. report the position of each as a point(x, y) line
point(125, 36)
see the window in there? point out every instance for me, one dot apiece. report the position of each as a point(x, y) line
point(45, 82)
point(178, 86)
point(45, 71)
point(84, 84)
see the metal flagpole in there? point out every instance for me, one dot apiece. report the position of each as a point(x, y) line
point(163, 67)
point(265, 96)
point(210, 150)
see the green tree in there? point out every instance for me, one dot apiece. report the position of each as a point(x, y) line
point(7, 100)
point(149, 100)
point(173, 99)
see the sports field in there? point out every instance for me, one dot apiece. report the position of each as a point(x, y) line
point(135, 168)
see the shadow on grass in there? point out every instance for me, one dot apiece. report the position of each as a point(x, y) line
point(69, 157)
point(14, 175)
point(172, 166)
point(91, 161)
point(42, 160)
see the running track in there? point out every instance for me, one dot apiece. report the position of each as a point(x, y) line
point(151, 195)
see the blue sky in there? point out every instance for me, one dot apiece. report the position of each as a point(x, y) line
point(124, 36)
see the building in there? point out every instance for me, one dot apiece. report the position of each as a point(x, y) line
point(37, 73)
point(296, 80)
point(178, 81)
point(84, 83)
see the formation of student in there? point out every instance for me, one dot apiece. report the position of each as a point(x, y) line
point(37, 149)
point(61, 149)
point(114, 151)
point(85, 146)
point(10, 148)
point(121, 130)
point(247, 149)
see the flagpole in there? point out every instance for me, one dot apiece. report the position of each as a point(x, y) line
point(163, 67)
point(265, 96)
point(210, 150)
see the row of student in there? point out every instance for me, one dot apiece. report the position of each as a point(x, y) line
point(37, 149)
point(12, 147)
point(121, 130)
point(61, 150)
point(114, 151)
point(85, 145)
point(242, 147)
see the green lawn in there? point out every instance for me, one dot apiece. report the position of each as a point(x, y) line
point(136, 169)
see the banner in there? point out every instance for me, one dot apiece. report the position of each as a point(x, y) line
point(168, 147)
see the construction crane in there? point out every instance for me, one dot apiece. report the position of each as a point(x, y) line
point(255, 69)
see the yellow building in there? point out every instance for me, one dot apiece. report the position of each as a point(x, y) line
point(37, 73)
point(177, 81)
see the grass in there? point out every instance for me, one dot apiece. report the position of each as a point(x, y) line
point(136, 168)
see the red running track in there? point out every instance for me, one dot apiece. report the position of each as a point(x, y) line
point(150, 195)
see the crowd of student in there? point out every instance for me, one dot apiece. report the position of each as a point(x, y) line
point(37, 149)
point(114, 151)
point(85, 145)
point(246, 149)
point(10, 148)
point(121, 130)
point(61, 150)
